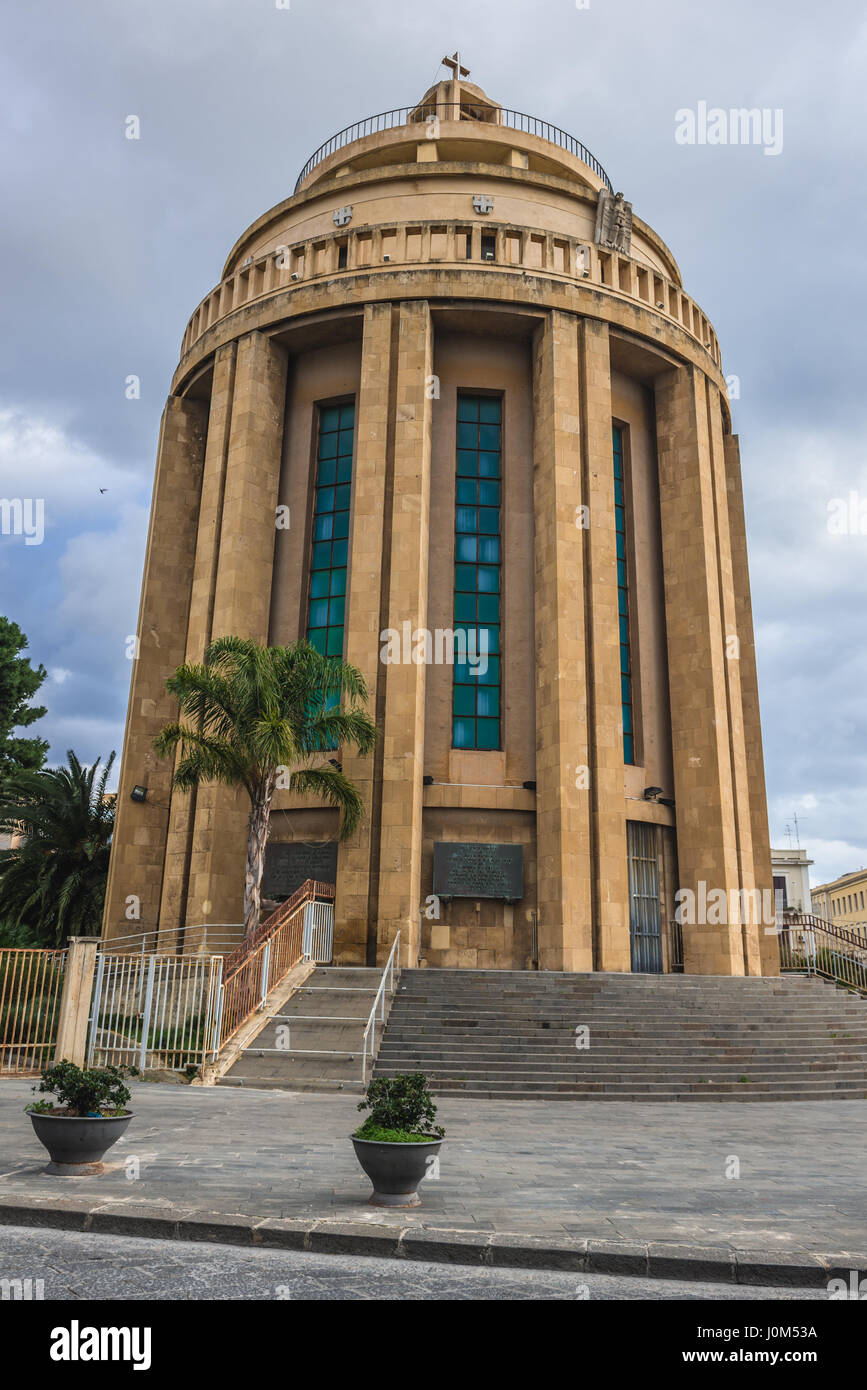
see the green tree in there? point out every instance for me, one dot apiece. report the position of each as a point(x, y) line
point(262, 718)
point(53, 881)
point(19, 682)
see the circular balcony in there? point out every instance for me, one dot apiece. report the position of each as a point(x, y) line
point(468, 111)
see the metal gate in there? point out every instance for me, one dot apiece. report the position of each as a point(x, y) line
point(152, 1011)
point(31, 985)
point(645, 912)
point(318, 939)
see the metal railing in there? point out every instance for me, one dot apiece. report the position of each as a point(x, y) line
point(153, 1011)
point(450, 111)
point(31, 984)
point(368, 1042)
point(813, 946)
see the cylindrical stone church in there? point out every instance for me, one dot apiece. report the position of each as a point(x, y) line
point(449, 412)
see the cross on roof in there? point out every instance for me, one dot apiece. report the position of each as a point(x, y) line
point(455, 64)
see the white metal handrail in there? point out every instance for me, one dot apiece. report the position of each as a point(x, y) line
point(369, 1045)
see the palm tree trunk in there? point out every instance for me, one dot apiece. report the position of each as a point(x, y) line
point(257, 839)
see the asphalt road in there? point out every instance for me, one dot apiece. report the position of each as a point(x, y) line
point(77, 1266)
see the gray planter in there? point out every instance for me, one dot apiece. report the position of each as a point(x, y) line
point(395, 1170)
point(76, 1145)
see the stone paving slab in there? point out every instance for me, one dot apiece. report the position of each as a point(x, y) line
point(608, 1187)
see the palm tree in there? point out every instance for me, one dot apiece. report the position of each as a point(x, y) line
point(262, 717)
point(53, 881)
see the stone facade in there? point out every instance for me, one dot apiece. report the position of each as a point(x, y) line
point(455, 254)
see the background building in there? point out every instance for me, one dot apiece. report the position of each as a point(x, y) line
point(791, 870)
point(844, 901)
point(478, 385)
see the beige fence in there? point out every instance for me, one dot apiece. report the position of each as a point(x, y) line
point(31, 985)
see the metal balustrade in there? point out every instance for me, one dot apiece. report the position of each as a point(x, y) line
point(810, 945)
point(466, 111)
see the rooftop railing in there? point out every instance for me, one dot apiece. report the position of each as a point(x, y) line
point(422, 114)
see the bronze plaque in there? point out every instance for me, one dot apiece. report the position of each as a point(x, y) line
point(478, 871)
point(287, 865)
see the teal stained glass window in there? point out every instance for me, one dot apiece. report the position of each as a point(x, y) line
point(623, 598)
point(327, 602)
point(476, 686)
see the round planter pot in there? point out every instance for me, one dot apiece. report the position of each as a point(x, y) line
point(76, 1145)
point(395, 1170)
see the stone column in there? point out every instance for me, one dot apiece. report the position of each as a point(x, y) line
point(610, 885)
point(761, 842)
point(371, 505)
point(183, 804)
point(706, 833)
point(139, 842)
point(398, 881)
point(751, 911)
point(242, 603)
point(563, 759)
point(74, 1013)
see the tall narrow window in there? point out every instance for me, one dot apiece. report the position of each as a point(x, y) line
point(331, 529)
point(476, 689)
point(623, 598)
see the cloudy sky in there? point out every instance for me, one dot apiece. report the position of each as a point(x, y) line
point(108, 244)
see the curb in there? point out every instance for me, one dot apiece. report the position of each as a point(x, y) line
point(656, 1260)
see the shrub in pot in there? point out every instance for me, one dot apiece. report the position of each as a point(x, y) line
point(398, 1139)
point(86, 1117)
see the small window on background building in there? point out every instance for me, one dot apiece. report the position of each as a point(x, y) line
point(489, 246)
point(342, 254)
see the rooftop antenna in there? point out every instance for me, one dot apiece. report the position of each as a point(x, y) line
point(789, 834)
point(797, 834)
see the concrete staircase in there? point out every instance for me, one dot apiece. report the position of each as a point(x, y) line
point(512, 1035)
point(325, 1019)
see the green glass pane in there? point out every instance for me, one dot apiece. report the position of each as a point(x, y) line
point(489, 520)
point(318, 616)
point(466, 492)
point(621, 602)
point(625, 690)
point(492, 675)
point(326, 473)
point(465, 577)
point(463, 733)
point(466, 549)
point(618, 492)
point(335, 642)
point(330, 418)
point(621, 546)
point(317, 637)
point(338, 553)
point(488, 579)
point(322, 556)
point(489, 409)
point(464, 700)
point(624, 658)
point(338, 581)
point(621, 573)
point(341, 498)
point(341, 524)
point(467, 462)
point(344, 470)
point(489, 436)
point(627, 749)
point(487, 733)
point(464, 674)
point(319, 584)
point(468, 436)
point(493, 638)
point(489, 494)
point(468, 407)
point(624, 629)
point(347, 438)
point(328, 446)
point(489, 550)
point(489, 608)
point(323, 527)
point(336, 610)
point(465, 608)
point(618, 467)
point(467, 519)
point(488, 701)
point(489, 465)
point(627, 719)
point(347, 415)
